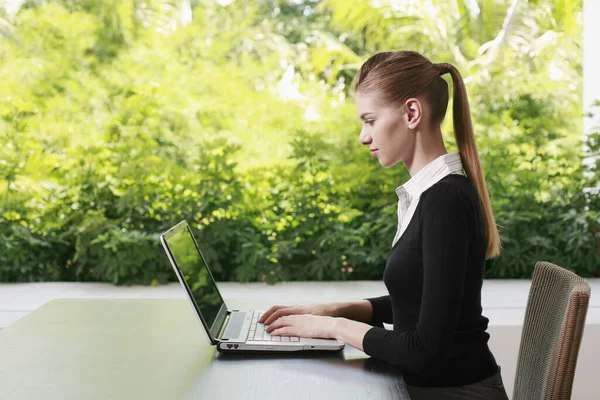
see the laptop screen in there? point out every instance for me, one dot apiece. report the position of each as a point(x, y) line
point(195, 271)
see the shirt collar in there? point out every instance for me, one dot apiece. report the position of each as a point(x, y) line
point(432, 173)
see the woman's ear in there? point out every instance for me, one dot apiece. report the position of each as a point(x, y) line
point(414, 112)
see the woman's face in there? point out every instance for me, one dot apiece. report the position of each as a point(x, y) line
point(386, 130)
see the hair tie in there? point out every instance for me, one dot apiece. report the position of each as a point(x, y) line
point(443, 68)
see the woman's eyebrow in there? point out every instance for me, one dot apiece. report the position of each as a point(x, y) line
point(363, 115)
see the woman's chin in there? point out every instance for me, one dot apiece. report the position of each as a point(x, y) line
point(384, 163)
point(387, 163)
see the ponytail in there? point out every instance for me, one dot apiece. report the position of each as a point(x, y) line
point(465, 140)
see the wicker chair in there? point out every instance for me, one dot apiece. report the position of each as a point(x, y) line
point(552, 331)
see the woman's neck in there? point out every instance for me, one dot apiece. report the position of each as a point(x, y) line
point(428, 147)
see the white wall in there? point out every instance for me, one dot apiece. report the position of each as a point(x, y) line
point(591, 62)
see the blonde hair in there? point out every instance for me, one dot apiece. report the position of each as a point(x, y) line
point(399, 75)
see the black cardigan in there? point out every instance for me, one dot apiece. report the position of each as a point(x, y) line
point(434, 275)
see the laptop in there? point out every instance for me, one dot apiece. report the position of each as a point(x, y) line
point(229, 330)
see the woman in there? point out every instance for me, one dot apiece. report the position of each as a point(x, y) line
point(446, 231)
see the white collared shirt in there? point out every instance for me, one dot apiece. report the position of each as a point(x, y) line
point(410, 193)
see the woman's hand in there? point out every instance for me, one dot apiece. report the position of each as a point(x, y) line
point(276, 312)
point(307, 326)
point(317, 326)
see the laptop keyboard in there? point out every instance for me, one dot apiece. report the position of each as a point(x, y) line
point(258, 332)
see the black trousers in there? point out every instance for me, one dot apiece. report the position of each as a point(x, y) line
point(490, 388)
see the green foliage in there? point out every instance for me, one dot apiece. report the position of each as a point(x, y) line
point(121, 118)
point(564, 228)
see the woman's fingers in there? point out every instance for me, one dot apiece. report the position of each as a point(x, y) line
point(278, 324)
point(268, 313)
point(283, 312)
point(277, 314)
point(283, 331)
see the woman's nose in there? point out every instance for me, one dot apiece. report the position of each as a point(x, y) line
point(364, 138)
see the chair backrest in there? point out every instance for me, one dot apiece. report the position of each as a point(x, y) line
point(552, 331)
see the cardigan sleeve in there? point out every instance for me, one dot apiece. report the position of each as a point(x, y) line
point(382, 310)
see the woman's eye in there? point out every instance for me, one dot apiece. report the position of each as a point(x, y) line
point(370, 122)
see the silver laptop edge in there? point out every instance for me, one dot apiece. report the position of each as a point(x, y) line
point(217, 333)
point(212, 337)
